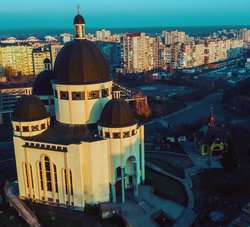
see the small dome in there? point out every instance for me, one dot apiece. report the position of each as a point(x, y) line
point(79, 19)
point(42, 85)
point(81, 62)
point(47, 61)
point(116, 114)
point(29, 108)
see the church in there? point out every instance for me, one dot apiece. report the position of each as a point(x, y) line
point(76, 141)
point(211, 140)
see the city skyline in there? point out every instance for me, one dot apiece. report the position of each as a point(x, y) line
point(125, 14)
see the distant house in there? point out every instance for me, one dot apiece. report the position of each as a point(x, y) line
point(211, 140)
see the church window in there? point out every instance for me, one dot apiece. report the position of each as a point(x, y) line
point(116, 135)
point(41, 175)
point(78, 95)
point(107, 135)
point(34, 128)
point(28, 178)
point(55, 176)
point(105, 92)
point(43, 126)
point(48, 173)
point(93, 94)
point(17, 128)
point(64, 95)
point(25, 128)
point(66, 181)
point(133, 132)
point(125, 134)
point(118, 172)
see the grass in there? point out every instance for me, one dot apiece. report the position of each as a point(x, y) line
point(165, 166)
point(166, 187)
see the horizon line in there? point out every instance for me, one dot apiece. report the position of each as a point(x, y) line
point(132, 27)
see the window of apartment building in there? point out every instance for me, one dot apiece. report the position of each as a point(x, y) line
point(93, 94)
point(64, 95)
point(17, 128)
point(78, 95)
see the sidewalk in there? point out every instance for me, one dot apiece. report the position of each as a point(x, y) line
point(138, 210)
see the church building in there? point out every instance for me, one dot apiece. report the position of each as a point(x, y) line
point(84, 146)
point(211, 139)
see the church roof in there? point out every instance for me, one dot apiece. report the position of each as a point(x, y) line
point(29, 108)
point(81, 62)
point(117, 113)
point(65, 134)
point(212, 134)
point(42, 85)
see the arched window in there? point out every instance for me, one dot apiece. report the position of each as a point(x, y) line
point(28, 178)
point(66, 181)
point(49, 172)
point(55, 176)
point(41, 175)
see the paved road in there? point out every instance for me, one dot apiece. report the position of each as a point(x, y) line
point(197, 110)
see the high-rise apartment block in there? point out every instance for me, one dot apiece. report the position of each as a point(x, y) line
point(17, 57)
point(103, 34)
point(174, 37)
point(244, 34)
point(136, 54)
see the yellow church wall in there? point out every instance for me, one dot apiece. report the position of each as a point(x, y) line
point(20, 159)
point(96, 171)
point(80, 111)
point(71, 160)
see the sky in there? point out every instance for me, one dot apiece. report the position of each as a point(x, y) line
point(18, 14)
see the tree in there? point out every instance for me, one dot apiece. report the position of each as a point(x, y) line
point(9, 73)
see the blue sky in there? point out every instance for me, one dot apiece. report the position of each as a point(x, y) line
point(123, 13)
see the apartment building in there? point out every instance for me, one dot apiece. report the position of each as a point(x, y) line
point(136, 52)
point(17, 57)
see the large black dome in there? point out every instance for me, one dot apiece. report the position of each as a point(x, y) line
point(117, 113)
point(42, 85)
point(80, 62)
point(29, 108)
